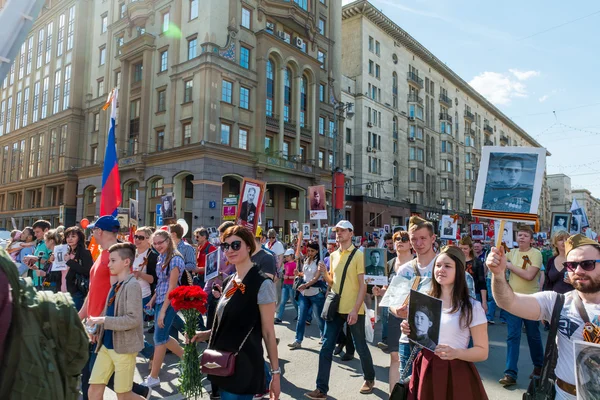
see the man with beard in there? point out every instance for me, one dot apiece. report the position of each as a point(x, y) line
point(583, 267)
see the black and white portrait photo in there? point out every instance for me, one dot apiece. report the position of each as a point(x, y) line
point(331, 238)
point(133, 212)
point(59, 263)
point(560, 222)
point(587, 363)
point(386, 229)
point(424, 317)
point(306, 231)
point(477, 232)
point(212, 265)
point(294, 228)
point(449, 228)
point(510, 179)
point(375, 262)
point(249, 203)
point(575, 224)
point(317, 202)
point(167, 205)
point(507, 233)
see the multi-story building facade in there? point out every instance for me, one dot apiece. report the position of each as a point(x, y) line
point(209, 92)
point(560, 192)
point(590, 204)
point(415, 142)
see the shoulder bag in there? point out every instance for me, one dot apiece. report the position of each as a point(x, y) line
point(400, 391)
point(332, 302)
point(542, 387)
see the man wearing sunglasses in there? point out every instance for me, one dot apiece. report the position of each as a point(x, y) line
point(583, 268)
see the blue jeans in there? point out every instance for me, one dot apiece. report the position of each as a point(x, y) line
point(332, 329)
point(161, 335)
point(491, 314)
point(232, 396)
point(308, 303)
point(384, 324)
point(405, 351)
point(286, 293)
point(513, 342)
point(148, 350)
point(78, 299)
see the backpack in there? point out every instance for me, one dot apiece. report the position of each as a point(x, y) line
point(46, 346)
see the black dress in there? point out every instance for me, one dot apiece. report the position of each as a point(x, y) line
point(555, 278)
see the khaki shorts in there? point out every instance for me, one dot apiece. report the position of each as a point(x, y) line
point(108, 362)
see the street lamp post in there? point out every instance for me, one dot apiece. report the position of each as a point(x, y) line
point(338, 109)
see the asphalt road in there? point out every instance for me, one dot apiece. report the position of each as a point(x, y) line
point(300, 368)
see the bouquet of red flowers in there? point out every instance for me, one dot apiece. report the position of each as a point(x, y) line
point(191, 300)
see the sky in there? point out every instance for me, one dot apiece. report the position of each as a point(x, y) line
point(537, 61)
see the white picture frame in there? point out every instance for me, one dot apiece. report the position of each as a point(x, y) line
point(586, 374)
point(510, 179)
point(317, 202)
point(508, 234)
point(59, 252)
point(306, 231)
point(448, 228)
point(477, 231)
point(560, 221)
point(212, 265)
point(375, 267)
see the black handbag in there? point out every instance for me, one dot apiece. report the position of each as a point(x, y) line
point(400, 391)
point(332, 301)
point(542, 387)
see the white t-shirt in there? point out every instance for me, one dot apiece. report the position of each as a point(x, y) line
point(137, 262)
point(426, 273)
point(276, 248)
point(310, 270)
point(570, 328)
point(451, 331)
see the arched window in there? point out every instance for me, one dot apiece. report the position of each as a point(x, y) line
point(156, 187)
point(129, 191)
point(395, 90)
point(287, 95)
point(270, 88)
point(90, 195)
point(189, 187)
point(303, 101)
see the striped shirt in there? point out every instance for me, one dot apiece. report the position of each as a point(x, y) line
point(162, 287)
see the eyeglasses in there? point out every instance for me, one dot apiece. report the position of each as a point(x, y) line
point(139, 237)
point(159, 243)
point(586, 265)
point(235, 246)
point(402, 239)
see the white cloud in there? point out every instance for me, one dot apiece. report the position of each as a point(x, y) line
point(498, 88)
point(544, 98)
point(523, 75)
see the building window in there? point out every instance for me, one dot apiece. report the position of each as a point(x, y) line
point(18, 111)
point(134, 127)
point(56, 98)
point(246, 17)
point(225, 134)
point(348, 161)
point(8, 113)
point(226, 89)
point(187, 91)
point(102, 55)
point(303, 101)
point(245, 57)
point(285, 153)
point(122, 10)
point(321, 56)
point(243, 139)
point(268, 144)
point(371, 44)
point(160, 140)
point(164, 60)
point(332, 131)
point(138, 72)
point(40, 47)
point(162, 101)
point(192, 48)
point(321, 26)
point(330, 160)
point(244, 97)
point(377, 71)
point(25, 107)
point(322, 91)
point(348, 135)
point(67, 88)
point(94, 154)
point(49, 29)
point(2, 117)
point(270, 89)
point(321, 159)
point(165, 22)
point(291, 199)
point(193, 9)
point(187, 133)
point(29, 55)
point(62, 148)
point(96, 122)
point(321, 126)
point(61, 35)
point(100, 87)
point(377, 48)
point(104, 24)
point(287, 94)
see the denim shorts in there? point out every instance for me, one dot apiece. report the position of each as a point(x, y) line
point(161, 335)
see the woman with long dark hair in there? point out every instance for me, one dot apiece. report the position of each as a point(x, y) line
point(312, 294)
point(79, 260)
point(462, 317)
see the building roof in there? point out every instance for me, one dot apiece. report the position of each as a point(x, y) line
point(365, 8)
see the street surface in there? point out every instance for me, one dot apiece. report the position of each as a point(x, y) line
point(300, 368)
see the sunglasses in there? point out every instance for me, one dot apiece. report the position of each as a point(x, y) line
point(139, 237)
point(586, 265)
point(402, 239)
point(235, 246)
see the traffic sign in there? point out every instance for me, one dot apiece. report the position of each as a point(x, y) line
point(159, 219)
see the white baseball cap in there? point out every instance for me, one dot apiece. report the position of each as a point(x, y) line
point(343, 224)
point(289, 252)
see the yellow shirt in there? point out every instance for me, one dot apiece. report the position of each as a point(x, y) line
point(518, 284)
point(337, 262)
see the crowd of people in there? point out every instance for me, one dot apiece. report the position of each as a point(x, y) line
point(129, 281)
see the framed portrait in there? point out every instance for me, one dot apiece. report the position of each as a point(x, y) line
point(397, 228)
point(507, 234)
point(387, 229)
point(357, 241)
point(449, 228)
point(510, 179)
point(586, 356)
point(331, 238)
point(317, 206)
point(123, 220)
point(249, 208)
point(60, 263)
point(576, 222)
point(287, 239)
point(270, 224)
point(61, 215)
point(477, 232)
point(167, 206)
point(294, 228)
point(424, 317)
point(561, 221)
point(382, 233)
point(133, 212)
point(375, 267)
point(212, 265)
point(306, 231)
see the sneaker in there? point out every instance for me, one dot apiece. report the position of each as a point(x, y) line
point(150, 382)
point(507, 381)
point(278, 321)
point(367, 387)
point(321, 341)
point(382, 345)
point(316, 395)
point(295, 345)
point(261, 396)
point(347, 357)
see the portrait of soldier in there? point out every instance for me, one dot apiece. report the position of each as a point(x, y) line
point(508, 191)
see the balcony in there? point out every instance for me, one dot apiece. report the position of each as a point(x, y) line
point(414, 79)
point(488, 143)
point(444, 99)
point(470, 132)
point(140, 11)
point(488, 129)
point(273, 121)
point(504, 140)
point(469, 116)
point(445, 117)
point(290, 126)
point(306, 131)
point(414, 98)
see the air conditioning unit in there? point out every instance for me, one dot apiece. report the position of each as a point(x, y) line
point(368, 187)
point(299, 42)
point(411, 118)
point(369, 149)
point(370, 124)
point(281, 34)
point(411, 139)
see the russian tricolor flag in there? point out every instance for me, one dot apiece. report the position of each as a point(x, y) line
point(110, 197)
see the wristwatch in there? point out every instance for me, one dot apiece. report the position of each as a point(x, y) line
point(276, 371)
